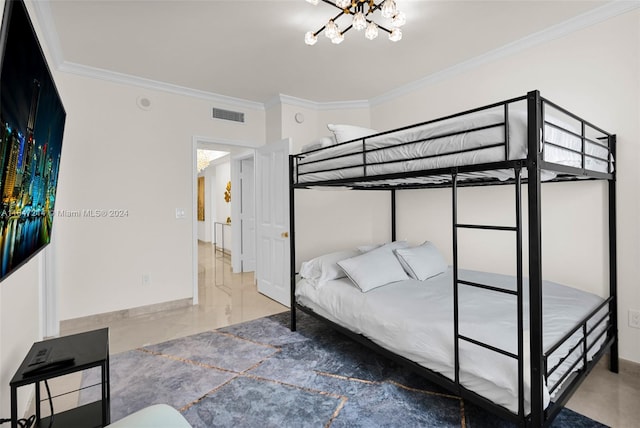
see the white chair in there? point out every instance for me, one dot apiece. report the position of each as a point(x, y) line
point(156, 416)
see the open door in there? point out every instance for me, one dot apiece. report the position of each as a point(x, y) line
point(272, 220)
point(247, 215)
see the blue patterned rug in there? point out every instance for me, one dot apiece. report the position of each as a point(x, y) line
point(260, 374)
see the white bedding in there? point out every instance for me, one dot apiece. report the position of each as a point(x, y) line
point(415, 319)
point(351, 165)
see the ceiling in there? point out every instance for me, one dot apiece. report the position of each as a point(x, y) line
point(255, 50)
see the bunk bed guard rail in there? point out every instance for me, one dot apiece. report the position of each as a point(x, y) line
point(569, 145)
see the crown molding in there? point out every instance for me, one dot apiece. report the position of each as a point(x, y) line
point(44, 17)
point(127, 79)
point(42, 11)
point(610, 10)
point(592, 17)
point(314, 105)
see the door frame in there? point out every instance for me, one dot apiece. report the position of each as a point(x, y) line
point(196, 140)
point(237, 231)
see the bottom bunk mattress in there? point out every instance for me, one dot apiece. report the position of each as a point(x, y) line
point(414, 319)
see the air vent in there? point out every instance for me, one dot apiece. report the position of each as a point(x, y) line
point(234, 116)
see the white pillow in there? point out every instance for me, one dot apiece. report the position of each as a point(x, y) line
point(318, 144)
point(390, 245)
point(374, 269)
point(324, 268)
point(344, 133)
point(422, 262)
point(367, 248)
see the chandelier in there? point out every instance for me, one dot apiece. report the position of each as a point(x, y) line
point(204, 157)
point(362, 12)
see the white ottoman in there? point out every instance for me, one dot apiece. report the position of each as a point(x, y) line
point(156, 416)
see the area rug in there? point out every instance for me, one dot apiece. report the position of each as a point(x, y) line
point(260, 374)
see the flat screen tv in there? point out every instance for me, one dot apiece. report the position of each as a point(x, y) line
point(31, 127)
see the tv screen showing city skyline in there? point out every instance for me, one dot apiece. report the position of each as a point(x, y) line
point(32, 121)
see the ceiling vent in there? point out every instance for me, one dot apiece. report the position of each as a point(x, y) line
point(234, 116)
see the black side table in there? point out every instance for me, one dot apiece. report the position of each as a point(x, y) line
point(90, 349)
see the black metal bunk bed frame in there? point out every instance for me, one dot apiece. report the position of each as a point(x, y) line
point(534, 163)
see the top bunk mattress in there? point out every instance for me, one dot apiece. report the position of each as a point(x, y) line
point(470, 139)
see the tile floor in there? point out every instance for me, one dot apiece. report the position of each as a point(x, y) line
point(227, 298)
point(612, 399)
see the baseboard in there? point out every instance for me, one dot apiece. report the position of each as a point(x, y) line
point(625, 367)
point(75, 324)
point(630, 368)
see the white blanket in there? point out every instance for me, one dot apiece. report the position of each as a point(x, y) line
point(415, 319)
point(349, 163)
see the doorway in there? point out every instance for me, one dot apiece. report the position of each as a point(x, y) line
point(258, 214)
point(223, 204)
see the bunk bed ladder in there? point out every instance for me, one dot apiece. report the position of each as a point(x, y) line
point(518, 293)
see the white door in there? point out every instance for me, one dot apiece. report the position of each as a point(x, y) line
point(272, 219)
point(247, 216)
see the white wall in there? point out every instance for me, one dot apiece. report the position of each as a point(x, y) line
point(216, 176)
point(223, 209)
point(19, 328)
point(335, 220)
point(223, 176)
point(315, 122)
point(323, 221)
point(594, 73)
point(117, 156)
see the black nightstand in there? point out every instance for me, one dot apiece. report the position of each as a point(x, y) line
point(74, 353)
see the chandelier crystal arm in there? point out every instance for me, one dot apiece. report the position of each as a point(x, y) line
point(338, 16)
point(332, 4)
point(373, 6)
point(363, 13)
point(325, 25)
point(379, 26)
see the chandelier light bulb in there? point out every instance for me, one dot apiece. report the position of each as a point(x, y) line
point(367, 15)
point(359, 21)
point(331, 30)
point(389, 9)
point(395, 35)
point(310, 38)
point(372, 31)
point(399, 19)
point(339, 38)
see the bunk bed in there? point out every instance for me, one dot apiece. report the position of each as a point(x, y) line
point(523, 141)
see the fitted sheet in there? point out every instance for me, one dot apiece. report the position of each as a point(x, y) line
point(346, 160)
point(414, 319)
